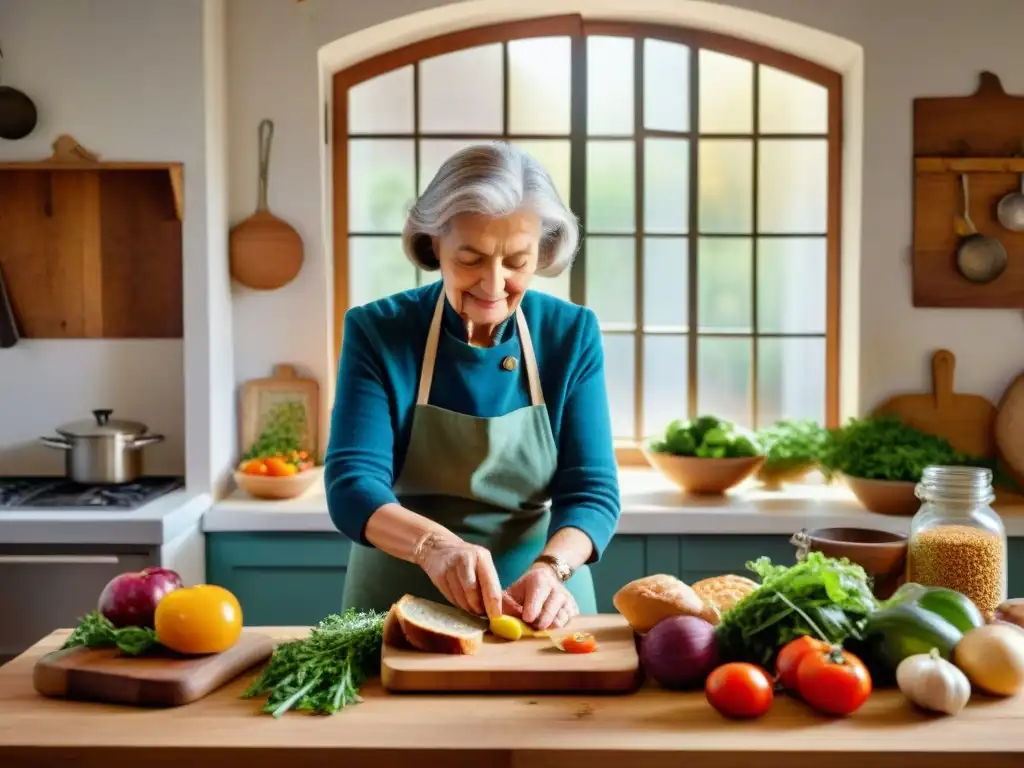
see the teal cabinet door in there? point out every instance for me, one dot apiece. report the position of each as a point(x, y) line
point(280, 579)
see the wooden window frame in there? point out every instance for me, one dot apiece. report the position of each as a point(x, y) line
point(578, 29)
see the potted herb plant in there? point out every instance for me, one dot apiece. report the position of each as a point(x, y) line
point(792, 449)
point(706, 455)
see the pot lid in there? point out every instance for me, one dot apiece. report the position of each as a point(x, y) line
point(101, 425)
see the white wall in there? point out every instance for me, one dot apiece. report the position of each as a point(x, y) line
point(144, 79)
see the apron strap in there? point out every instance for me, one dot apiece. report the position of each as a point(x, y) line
point(430, 355)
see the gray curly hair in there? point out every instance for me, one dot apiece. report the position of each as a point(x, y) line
point(494, 180)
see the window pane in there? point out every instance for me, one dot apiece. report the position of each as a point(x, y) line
point(382, 104)
point(726, 94)
point(791, 104)
point(610, 186)
point(610, 86)
point(377, 268)
point(791, 284)
point(665, 283)
point(790, 380)
point(611, 281)
point(539, 71)
point(726, 183)
point(724, 284)
point(666, 389)
point(666, 86)
point(621, 383)
point(433, 153)
point(463, 92)
point(723, 379)
point(793, 185)
point(381, 184)
point(554, 155)
point(666, 185)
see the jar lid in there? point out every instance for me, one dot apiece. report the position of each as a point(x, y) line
point(955, 484)
point(101, 425)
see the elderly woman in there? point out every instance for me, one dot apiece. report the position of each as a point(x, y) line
point(465, 406)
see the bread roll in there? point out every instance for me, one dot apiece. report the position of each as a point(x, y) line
point(723, 592)
point(647, 601)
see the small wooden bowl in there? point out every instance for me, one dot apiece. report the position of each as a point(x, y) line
point(704, 476)
point(886, 497)
point(267, 487)
point(881, 554)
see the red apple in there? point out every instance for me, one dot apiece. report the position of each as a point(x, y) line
point(129, 599)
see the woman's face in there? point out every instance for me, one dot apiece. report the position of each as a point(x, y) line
point(487, 264)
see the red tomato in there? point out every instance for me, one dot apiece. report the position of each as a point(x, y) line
point(792, 654)
point(579, 642)
point(834, 682)
point(739, 690)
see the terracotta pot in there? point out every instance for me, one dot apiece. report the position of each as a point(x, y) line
point(703, 476)
point(882, 554)
point(773, 479)
point(886, 497)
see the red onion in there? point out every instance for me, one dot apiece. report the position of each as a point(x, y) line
point(130, 599)
point(679, 652)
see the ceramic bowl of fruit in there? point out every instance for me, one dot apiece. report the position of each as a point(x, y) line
point(277, 477)
point(705, 455)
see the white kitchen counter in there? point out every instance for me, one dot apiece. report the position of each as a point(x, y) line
point(154, 524)
point(650, 505)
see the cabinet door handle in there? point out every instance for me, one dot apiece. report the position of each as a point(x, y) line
point(59, 560)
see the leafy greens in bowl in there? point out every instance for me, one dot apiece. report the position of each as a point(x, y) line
point(792, 448)
point(706, 437)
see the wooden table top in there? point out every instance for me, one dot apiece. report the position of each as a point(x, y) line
point(479, 731)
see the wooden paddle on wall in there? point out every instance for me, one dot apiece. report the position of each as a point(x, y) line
point(966, 421)
point(266, 252)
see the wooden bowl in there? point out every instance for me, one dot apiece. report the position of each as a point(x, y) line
point(703, 476)
point(882, 554)
point(774, 478)
point(267, 487)
point(886, 497)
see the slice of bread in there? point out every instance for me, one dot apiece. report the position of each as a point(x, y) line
point(393, 634)
point(437, 628)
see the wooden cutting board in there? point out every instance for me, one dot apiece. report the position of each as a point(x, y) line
point(1009, 429)
point(284, 387)
point(531, 664)
point(160, 680)
point(967, 421)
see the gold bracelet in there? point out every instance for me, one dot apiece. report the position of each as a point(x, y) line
point(428, 539)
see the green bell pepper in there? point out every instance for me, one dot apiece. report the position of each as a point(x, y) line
point(915, 620)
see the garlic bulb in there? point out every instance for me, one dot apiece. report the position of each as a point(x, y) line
point(993, 658)
point(933, 683)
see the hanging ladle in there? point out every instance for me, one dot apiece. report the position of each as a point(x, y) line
point(17, 113)
point(1010, 210)
point(979, 258)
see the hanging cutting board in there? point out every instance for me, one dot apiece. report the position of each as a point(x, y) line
point(966, 421)
point(531, 665)
point(155, 680)
point(284, 386)
point(1009, 429)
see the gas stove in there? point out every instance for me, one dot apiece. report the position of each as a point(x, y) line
point(58, 493)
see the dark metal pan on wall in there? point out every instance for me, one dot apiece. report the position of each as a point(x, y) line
point(979, 258)
point(18, 114)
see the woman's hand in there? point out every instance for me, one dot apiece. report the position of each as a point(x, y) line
point(541, 599)
point(463, 572)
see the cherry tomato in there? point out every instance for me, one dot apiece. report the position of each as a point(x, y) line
point(198, 620)
point(254, 467)
point(278, 467)
point(738, 689)
point(792, 654)
point(834, 681)
point(579, 642)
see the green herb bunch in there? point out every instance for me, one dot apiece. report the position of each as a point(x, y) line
point(823, 597)
point(793, 443)
point(323, 672)
point(706, 437)
point(284, 432)
point(95, 631)
point(885, 448)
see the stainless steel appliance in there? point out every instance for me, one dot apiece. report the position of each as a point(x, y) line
point(101, 450)
point(58, 493)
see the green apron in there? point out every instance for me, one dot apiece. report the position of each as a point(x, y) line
point(485, 479)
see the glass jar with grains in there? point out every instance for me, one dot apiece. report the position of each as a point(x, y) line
point(956, 539)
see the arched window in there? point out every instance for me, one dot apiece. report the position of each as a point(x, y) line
point(705, 172)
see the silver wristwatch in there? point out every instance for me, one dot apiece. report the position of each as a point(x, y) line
point(561, 568)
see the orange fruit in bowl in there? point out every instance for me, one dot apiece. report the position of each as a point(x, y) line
point(278, 467)
point(254, 467)
point(198, 620)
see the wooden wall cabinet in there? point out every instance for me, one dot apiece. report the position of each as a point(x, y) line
point(92, 249)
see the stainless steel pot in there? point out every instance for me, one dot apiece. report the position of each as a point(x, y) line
point(101, 451)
